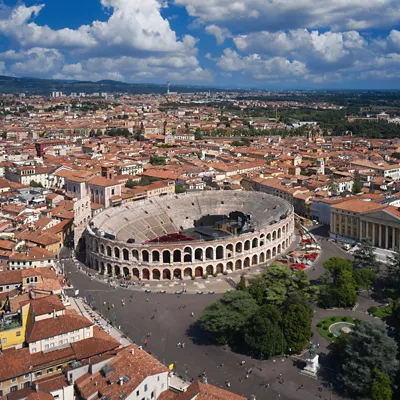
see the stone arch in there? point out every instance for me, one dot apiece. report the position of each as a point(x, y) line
point(274, 252)
point(229, 250)
point(187, 273)
point(156, 274)
point(187, 254)
point(135, 255)
point(146, 274)
point(117, 253)
point(102, 248)
point(155, 256)
point(126, 271)
point(279, 233)
point(254, 260)
point(102, 268)
point(254, 243)
point(177, 256)
point(109, 251)
point(109, 269)
point(268, 254)
point(145, 256)
point(220, 268)
point(274, 235)
point(117, 270)
point(198, 254)
point(198, 272)
point(229, 266)
point(96, 246)
point(279, 248)
point(238, 264)
point(262, 258)
point(284, 229)
point(209, 253)
point(166, 257)
point(219, 252)
point(247, 245)
point(268, 237)
point(209, 270)
point(96, 264)
point(247, 262)
point(177, 273)
point(239, 247)
point(287, 242)
point(166, 274)
point(283, 245)
point(135, 273)
point(125, 254)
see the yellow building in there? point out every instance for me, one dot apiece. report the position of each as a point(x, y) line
point(13, 328)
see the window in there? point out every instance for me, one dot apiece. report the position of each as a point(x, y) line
point(26, 376)
point(18, 333)
point(77, 337)
point(4, 340)
point(158, 379)
point(152, 395)
point(66, 341)
point(14, 380)
point(33, 349)
point(59, 368)
point(72, 339)
point(145, 387)
point(60, 342)
point(51, 345)
point(57, 396)
point(50, 370)
point(137, 392)
point(46, 347)
point(38, 373)
point(13, 388)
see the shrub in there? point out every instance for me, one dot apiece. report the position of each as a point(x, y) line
point(205, 276)
point(344, 319)
point(193, 278)
point(319, 325)
point(333, 319)
point(325, 328)
point(215, 274)
point(373, 309)
point(330, 335)
point(225, 272)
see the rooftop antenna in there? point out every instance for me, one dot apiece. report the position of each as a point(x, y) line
point(168, 86)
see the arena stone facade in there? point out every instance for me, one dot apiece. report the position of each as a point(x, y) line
point(184, 260)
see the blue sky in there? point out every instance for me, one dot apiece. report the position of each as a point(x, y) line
point(271, 44)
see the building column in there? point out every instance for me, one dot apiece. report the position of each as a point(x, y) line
point(373, 233)
point(380, 236)
point(387, 237)
point(333, 222)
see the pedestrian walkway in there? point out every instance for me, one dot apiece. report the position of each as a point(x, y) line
point(83, 309)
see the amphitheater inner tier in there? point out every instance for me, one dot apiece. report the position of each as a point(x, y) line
point(190, 235)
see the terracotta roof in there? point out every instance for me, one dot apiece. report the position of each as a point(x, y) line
point(200, 391)
point(101, 181)
point(46, 305)
point(360, 206)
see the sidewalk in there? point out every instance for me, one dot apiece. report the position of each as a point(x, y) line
point(83, 309)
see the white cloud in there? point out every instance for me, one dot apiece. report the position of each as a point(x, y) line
point(220, 33)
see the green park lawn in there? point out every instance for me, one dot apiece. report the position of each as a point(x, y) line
point(323, 326)
point(381, 312)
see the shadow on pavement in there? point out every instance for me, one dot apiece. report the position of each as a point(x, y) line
point(198, 335)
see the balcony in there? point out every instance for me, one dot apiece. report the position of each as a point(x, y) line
point(9, 322)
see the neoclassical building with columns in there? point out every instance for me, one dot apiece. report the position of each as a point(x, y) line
point(357, 219)
point(162, 238)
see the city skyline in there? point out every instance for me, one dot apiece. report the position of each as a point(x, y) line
point(280, 45)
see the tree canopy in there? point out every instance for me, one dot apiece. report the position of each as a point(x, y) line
point(365, 258)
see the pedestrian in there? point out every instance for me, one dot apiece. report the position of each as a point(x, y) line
point(183, 345)
point(221, 365)
point(267, 385)
point(247, 376)
point(179, 344)
point(145, 342)
point(192, 314)
point(318, 345)
point(147, 300)
point(153, 317)
point(243, 362)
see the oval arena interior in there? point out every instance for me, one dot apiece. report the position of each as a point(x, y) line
point(189, 235)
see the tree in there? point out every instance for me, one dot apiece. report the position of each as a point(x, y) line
point(297, 320)
point(365, 258)
point(357, 183)
point(180, 189)
point(242, 283)
point(333, 186)
point(393, 271)
point(364, 278)
point(130, 184)
point(381, 387)
point(35, 184)
point(157, 160)
point(366, 348)
point(227, 317)
point(335, 266)
point(263, 336)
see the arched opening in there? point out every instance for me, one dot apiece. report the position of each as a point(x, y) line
point(187, 273)
point(220, 268)
point(262, 243)
point(210, 270)
point(177, 273)
point(116, 252)
point(254, 260)
point(135, 255)
point(177, 256)
point(102, 248)
point(135, 273)
point(229, 251)
point(96, 265)
point(274, 252)
point(209, 253)
point(155, 256)
point(198, 254)
point(268, 254)
point(229, 266)
point(238, 264)
point(239, 247)
point(125, 254)
point(146, 274)
point(117, 270)
point(187, 255)
point(279, 248)
point(126, 271)
point(96, 246)
point(145, 256)
point(279, 233)
point(247, 262)
point(254, 243)
point(198, 272)
point(108, 251)
point(109, 269)
point(166, 257)
point(269, 238)
point(166, 274)
point(284, 230)
point(283, 245)
point(274, 235)
point(156, 274)
point(247, 245)
point(262, 258)
point(102, 268)
point(287, 242)
point(219, 252)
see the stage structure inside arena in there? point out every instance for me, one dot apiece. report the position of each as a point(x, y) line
point(189, 236)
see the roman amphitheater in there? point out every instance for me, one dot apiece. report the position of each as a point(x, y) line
point(189, 236)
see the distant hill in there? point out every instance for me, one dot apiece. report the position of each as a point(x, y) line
point(9, 84)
